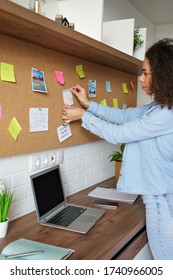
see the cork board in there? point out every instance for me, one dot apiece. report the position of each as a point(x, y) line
point(17, 98)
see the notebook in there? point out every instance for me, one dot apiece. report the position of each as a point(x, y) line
point(113, 194)
point(50, 203)
point(22, 245)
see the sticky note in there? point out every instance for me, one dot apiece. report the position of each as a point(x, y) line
point(124, 87)
point(115, 102)
point(131, 85)
point(108, 86)
point(103, 102)
point(0, 111)
point(14, 128)
point(7, 72)
point(60, 77)
point(80, 71)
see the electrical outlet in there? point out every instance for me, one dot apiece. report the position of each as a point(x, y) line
point(52, 159)
point(44, 160)
point(35, 162)
point(59, 156)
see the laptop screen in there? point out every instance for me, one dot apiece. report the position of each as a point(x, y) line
point(48, 190)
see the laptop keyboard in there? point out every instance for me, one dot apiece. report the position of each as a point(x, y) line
point(67, 215)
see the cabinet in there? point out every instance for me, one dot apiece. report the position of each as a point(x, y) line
point(119, 34)
point(23, 24)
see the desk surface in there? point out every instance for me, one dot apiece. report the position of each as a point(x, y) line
point(103, 241)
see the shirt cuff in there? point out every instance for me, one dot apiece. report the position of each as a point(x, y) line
point(92, 107)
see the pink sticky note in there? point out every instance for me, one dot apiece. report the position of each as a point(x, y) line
point(60, 77)
point(0, 111)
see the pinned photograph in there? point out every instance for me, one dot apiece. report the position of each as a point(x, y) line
point(92, 88)
point(38, 81)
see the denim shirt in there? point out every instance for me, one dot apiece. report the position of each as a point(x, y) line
point(147, 130)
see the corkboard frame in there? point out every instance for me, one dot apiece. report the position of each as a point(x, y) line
point(17, 98)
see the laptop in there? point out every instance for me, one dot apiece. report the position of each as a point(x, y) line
point(51, 203)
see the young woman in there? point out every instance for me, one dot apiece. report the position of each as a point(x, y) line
point(148, 133)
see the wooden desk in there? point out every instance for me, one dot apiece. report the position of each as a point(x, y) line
point(119, 234)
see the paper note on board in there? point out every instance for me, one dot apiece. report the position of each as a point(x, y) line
point(60, 77)
point(80, 71)
point(38, 118)
point(124, 87)
point(63, 132)
point(7, 72)
point(14, 128)
point(67, 97)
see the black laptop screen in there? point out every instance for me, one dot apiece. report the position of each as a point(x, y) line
point(48, 190)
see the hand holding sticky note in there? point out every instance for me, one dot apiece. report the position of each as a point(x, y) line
point(67, 97)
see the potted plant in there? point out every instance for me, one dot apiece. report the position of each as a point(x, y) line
point(117, 156)
point(137, 38)
point(6, 197)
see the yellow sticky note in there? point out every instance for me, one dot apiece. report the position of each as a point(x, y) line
point(80, 71)
point(14, 128)
point(115, 102)
point(125, 89)
point(7, 72)
point(103, 102)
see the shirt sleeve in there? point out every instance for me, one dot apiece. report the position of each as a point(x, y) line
point(115, 115)
point(155, 123)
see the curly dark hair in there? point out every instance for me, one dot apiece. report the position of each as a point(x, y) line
point(160, 57)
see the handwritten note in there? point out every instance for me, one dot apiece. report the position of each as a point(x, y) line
point(67, 97)
point(64, 132)
point(38, 118)
point(7, 72)
point(80, 71)
point(14, 128)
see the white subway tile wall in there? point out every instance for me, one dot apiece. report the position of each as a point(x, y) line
point(83, 166)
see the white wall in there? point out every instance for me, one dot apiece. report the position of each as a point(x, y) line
point(87, 16)
point(163, 31)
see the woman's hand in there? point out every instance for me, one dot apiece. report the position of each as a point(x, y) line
point(72, 113)
point(80, 93)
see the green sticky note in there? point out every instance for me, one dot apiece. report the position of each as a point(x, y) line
point(103, 102)
point(80, 71)
point(125, 89)
point(7, 72)
point(115, 102)
point(14, 128)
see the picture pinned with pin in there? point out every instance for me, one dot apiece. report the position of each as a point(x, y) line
point(38, 81)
